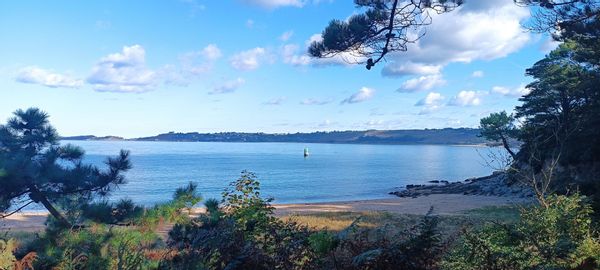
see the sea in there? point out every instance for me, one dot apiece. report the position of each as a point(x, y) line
point(331, 172)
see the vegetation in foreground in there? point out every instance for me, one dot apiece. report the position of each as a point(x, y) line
point(559, 154)
point(241, 232)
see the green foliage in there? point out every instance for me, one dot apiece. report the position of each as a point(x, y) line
point(243, 203)
point(499, 127)
point(564, 19)
point(37, 169)
point(558, 236)
point(98, 247)
point(382, 27)
point(561, 117)
point(323, 242)
point(127, 250)
point(418, 247)
point(175, 211)
point(102, 246)
point(187, 196)
point(124, 211)
point(241, 234)
point(75, 249)
point(7, 259)
point(421, 136)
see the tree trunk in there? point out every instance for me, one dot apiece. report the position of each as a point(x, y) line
point(40, 197)
point(507, 147)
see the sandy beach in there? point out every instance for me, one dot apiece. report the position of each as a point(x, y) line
point(443, 204)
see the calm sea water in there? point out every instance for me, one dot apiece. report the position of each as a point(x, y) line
point(333, 172)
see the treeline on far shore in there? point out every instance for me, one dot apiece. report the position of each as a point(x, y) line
point(458, 136)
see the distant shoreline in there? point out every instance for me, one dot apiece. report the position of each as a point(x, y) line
point(447, 136)
point(349, 143)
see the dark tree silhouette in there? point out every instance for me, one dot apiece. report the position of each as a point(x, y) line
point(385, 26)
point(563, 18)
point(561, 111)
point(35, 168)
point(499, 127)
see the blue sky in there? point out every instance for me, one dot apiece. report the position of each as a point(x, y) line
point(138, 68)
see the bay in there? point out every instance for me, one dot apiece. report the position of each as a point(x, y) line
point(332, 172)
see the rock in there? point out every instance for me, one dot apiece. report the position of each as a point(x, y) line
point(496, 184)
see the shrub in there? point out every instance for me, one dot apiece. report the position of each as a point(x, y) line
point(173, 211)
point(104, 245)
point(419, 247)
point(97, 247)
point(242, 234)
point(243, 203)
point(556, 236)
point(7, 259)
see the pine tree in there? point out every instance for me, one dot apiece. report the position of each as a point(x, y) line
point(35, 168)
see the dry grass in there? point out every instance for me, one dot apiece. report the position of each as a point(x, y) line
point(336, 221)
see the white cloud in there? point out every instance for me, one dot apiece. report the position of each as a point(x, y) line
point(326, 123)
point(363, 94)
point(211, 52)
point(518, 91)
point(454, 123)
point(477, 74)
point(410, 68)
point(290, 55)
point(199, 62)
point(374, 123)
point(191, 65)
point(249, 60)
point(228, 86)
point(125, 71)
point(341, 59)
point(432, 99)
point(501, 90)
point(313, 38)
point(294, 55)
point(272, 4)
point(430, 103)
point(466, 98)
point(36, 75)
point(314, 101)
point(286, 35)
point(275, 101)
point(549, 45)
point(479, 30)
point(422, 83)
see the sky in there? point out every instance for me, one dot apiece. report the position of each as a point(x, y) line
point(140, 68)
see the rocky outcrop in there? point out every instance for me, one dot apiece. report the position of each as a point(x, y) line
point(497, 184)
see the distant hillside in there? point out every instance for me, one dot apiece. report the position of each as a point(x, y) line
point(426, 136)
point(92, 138)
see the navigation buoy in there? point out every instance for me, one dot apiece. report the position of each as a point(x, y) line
point(305, 152)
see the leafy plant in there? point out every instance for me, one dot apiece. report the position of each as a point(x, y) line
point(241, 233)
point(7, 259)
point(418, 247)
point(556, 236)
